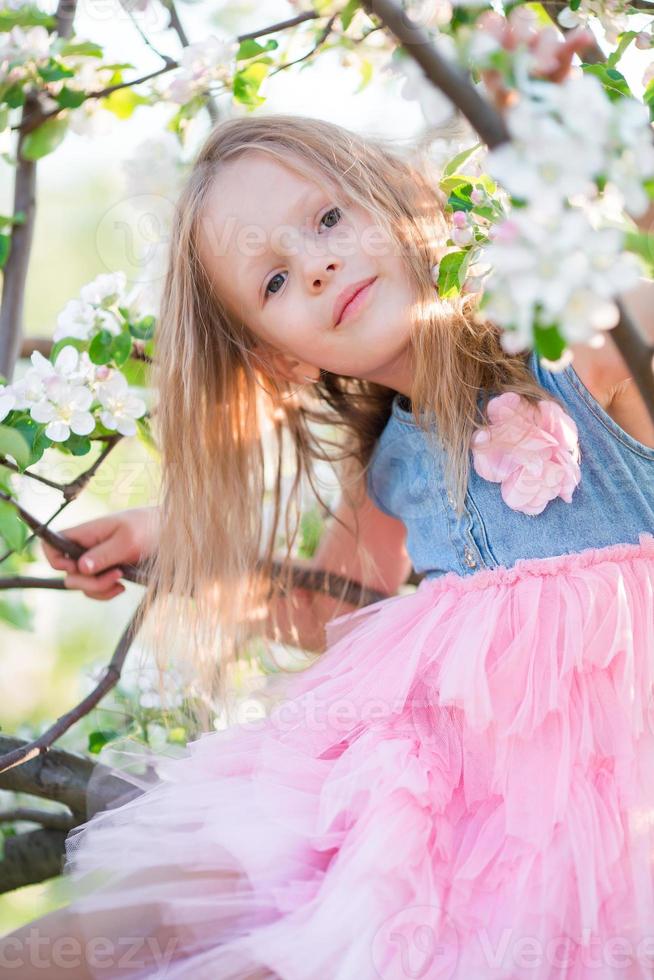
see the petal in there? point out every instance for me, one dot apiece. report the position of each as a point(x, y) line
point(42, 411)
point(66, 360)
point(58, 431)
point(126, 426)
point(82, 423)
point(80, 397)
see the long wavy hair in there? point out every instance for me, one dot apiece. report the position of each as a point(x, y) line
point(226, 430)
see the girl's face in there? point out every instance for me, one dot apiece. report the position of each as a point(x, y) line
point(282, 252)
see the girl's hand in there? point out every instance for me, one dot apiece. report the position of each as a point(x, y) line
point(127, 536)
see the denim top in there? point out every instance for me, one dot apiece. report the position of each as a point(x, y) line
point(612, 504)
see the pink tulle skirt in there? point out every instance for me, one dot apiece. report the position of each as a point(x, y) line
point(462, 786)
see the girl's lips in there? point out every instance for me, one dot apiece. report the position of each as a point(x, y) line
point(355, 304)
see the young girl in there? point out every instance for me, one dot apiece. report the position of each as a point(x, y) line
point(462, 783)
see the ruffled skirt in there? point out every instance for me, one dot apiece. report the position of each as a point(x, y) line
point(461, 786)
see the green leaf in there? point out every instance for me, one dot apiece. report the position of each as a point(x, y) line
point(614, 82)
point(67, 342)
point(12, 443)
point(70, 98)
point(81, 47)
point(76, 445)
point(549, 342)
point(26, 17)
point(14, 96)
point(54, 71)
point(100, 348)
point(123, 102)
point(12, 528)
point(5, 243)
point(625, 41)
point(459, 199)
point(121, 347)
point(45, 138)
point(648, 99)
point(348, 12)
point(366, 68)
point(459, 160)
point(33, 434)
point(451, 273)
point(143, 329)
point(641, 243)
point(15, 612)
point(100, 738)
point(136, 372)
point(145, 435)
point(311, 528)
point(247, 82)
point(251, 48)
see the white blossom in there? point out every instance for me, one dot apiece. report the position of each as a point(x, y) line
point(201, 64)
point(82, 320)
point(107, 288)
point(65, 410)
point(26, 45)
point(435, 107)
point(7, 401)
point(120, 408)
point(155, 168)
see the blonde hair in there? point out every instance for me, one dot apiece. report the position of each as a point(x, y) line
point(217, 408)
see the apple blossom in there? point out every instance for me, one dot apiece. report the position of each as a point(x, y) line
point(65, 410)
point(120, 408)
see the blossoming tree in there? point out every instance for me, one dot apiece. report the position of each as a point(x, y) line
point(549, 186)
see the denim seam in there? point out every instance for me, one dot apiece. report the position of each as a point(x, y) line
point(646, 452)
point(482, 528)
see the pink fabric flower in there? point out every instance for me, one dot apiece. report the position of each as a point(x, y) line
point(532, 450)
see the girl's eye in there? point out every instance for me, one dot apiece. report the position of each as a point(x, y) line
point(278, 275)
point(332, 211)
point(271, 280)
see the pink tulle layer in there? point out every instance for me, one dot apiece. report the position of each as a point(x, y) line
point(461, 786)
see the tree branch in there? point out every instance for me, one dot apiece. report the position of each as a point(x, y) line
point(490, 125)
point(60, 776)
point(42, 744)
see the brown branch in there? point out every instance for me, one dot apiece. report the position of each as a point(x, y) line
point(490, 125)
point(30, 582)
point(52, 820)
point(319, 580)
point(282, 25)
point(61, 776)
point(20, 244)
point(176, 25)
point(450, 79)
point(42, 744)
point(16, 266)
point(30, 858)
point(70, 548)
point(322, 37)
point(72, 489)
point(36, 116)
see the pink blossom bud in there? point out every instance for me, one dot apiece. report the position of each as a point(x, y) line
point(477, 195)
point(460, 219)
point(505, 233)
point(462, 236)
point(643, 41)
point(102, 372)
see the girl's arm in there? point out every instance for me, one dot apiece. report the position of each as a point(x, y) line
point(302, 615)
